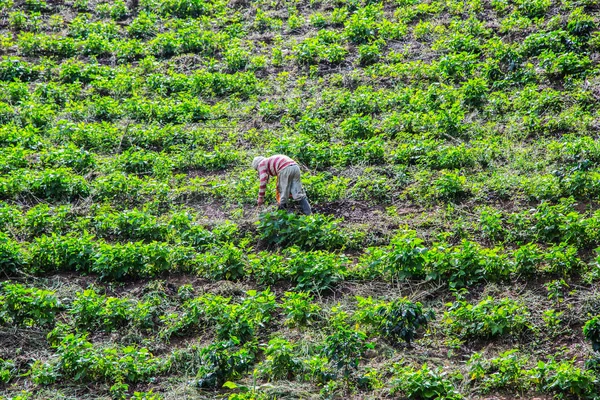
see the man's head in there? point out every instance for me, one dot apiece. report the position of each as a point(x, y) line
point(256, 161)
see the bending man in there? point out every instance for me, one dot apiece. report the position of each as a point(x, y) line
point(288, 180)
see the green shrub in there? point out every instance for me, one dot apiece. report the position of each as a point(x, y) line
point(563, 378)
point(373, 187)
point(361, 27)
point(369, 54)
point(79, 360)
point(527, 260)
point(591, 331)
point(143, 25)
point(12, 258)
point(401, 319)
point(406, 256)
point(449, 186)
point(73, 252)
point(8, 370)
point(139, 260)
point(58, 184)
point(28, 306)
point(460, 266)
point(42, 219)
point(486, 319)
point(78, 160)
point(299, 309)
point(562, 260)
point(317, 270)
point(92, 311)
point(306, 231)
point(580, 24)
point(14, 68)
point(505, 372)
point(558, 66)
point(222, 361)
point(345, 347)
point(423, 383)
point(358, 126)
point(231, 321)
point(280, 361)
point(223, 261)
point(370, 151)
point(325, 187)
point(533, 8)
point(197, 237)
point(128, 225)
point(186, 8)
point(267, 268)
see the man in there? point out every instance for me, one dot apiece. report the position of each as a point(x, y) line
point(288, 180)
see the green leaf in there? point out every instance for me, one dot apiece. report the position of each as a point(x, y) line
point(230, 385)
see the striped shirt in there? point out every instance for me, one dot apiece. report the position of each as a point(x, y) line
point(270, 167)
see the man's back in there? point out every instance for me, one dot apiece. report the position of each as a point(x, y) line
point(272, 165)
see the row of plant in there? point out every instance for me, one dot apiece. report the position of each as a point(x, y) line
point(251, 315)
point(113, 94)
point(360, 25)
point(547, 223)
point(560, 378)
point(341, 354)
point(375, 185)
point(211, 254)
point(138, 153)
point(90, 92)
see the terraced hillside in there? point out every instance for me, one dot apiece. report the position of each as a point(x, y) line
point(449, 149)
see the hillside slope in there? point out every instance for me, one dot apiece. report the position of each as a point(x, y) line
point(449, 148)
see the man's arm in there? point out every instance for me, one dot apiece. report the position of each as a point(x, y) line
point(264, 179)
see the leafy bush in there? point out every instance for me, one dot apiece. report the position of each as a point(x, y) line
point(505, 372)
point(591, 331)
point(52, 184)
point(423, 383)
point(27, 306)
point(306, 231)
point(267, 268)
point(92, 311)
point(358, 126)
point(186, 8)
point(488, 318)
point(449, 186)
point(72, 252)
point(8, 370)
point(461, 266)
point(280, 360)
point(128, 225)
point(406, 256)
point(237, 321)
point(344, 347)
point(563, 378)
point(533, 8)
point(561, 65)
point(299, 308)
point(79, 360)
point(317, 270)
point(580, 24)
point(402, 318)
point(396, 320)
point(223, 261)
point(139, 260)
point(222, 361)
point(12, 258)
